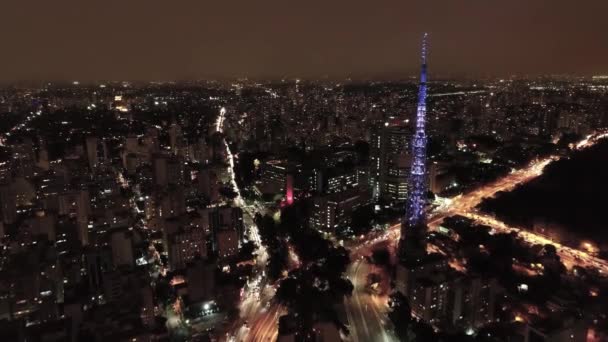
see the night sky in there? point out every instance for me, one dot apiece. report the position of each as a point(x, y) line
point(166, 39)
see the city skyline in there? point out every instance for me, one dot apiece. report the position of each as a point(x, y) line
point(158, 184)
point(69, 41)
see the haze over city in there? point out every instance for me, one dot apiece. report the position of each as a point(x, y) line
point(160, 40)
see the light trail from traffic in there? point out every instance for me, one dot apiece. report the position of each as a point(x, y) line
point(570, 256)
point(465, 205)
point(256, 305)
point(366, 313)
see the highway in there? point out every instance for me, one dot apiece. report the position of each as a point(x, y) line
point(465, 205)
point(366, 313)
point(264, 327)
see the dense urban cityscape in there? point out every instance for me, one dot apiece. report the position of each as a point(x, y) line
point(416, 207)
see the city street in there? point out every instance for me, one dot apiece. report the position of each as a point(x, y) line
point(258, 314)
point(366, 312)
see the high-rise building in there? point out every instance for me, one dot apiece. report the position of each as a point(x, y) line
point(175, 171)
point(390, 161)
point(274, 174)
point(98, 260)
point(413, 226)
point(23, 158)
point(8, 203)
point(201, 280)
point(226, 243)
point(473, 301)
point(147, 306)
point(409, 271)
point(335, 210)
point(41, 224)
point(430, 299)
point(226, 218)
point(77, 204)
point(336, 179)
point(175, 137)
point(168, 170)
point(171, 203)
point(122, 248)
point(151, 139)
point(96, 150)
point(91, 143)
point(186, 244)
point(207, 183)
point(226, 224)
point(199, 152)
point(42, 160)
point(439, 178)
point(159, 167)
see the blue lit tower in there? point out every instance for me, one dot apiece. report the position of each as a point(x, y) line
point(413, 224)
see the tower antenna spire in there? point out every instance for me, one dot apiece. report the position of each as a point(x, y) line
point(413, 224)
point(424, 38)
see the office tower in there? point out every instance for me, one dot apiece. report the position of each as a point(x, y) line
point(335, 210)
point(390, 161)
point(160, 172)
point(335, 179)
point(8, 203)
point(274, 173)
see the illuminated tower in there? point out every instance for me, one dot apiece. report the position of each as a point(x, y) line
point(413, 224)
